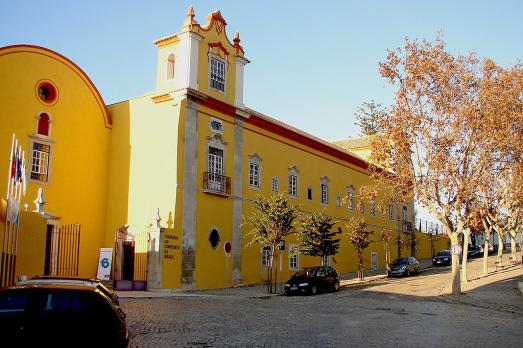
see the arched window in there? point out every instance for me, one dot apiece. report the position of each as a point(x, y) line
point(170, 67)
point(43, 124)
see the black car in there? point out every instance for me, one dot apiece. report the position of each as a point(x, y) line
point(60, 315)
point(312, 280)
point(475, 251)
point(404, 267)
point(41, 280)
point(443, 258)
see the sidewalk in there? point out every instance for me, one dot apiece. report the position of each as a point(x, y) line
point(260, 290)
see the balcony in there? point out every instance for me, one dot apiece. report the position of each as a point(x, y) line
point(407, 226)
point(216, 183)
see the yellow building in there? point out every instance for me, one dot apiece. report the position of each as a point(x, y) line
point(62, 123)
point(182, 164)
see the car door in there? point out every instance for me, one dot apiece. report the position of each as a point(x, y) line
point(411, 266)
point(321, 277)
point(13, 312)
point(331, 278)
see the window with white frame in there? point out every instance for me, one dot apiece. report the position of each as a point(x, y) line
point(338, 201)
point(217, 78)
point(275, 184)
point(293, 182)
point(309, 193)
point(362, 207)
point(374, 260)
point(324, 190)
point(170, 67)
point(372, 208)
point(324, 193)
point(266, 257)
point(255, 170)
point(350, 198)
point(216, 126)
point(293, 185)
point(254, 174)
point(40, 161)
point(294, 257)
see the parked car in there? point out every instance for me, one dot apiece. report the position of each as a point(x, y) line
point(404, 267)
point(444, 257)
point(57, 314)
point(475, 251)
point(312, 280)
point(74, 281)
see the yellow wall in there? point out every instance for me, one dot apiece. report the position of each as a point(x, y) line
point(30, 259)
point(77, 186)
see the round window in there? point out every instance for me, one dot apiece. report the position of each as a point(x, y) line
point(46, 92)
point(214, 238)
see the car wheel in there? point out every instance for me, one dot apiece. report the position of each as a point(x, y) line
point(314, 290)
point(408, 273)
point(336, 286)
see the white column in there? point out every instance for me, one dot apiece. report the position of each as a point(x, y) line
point(187, 65)
point(238, 98)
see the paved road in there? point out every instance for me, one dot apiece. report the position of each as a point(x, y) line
point(389, 313)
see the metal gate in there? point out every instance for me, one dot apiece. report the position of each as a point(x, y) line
point(62, 250)
point(8, 258)
point(131, 260)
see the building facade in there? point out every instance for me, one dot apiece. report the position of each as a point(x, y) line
point(184, 162)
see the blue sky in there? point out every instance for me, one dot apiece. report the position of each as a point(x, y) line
point(313, 63)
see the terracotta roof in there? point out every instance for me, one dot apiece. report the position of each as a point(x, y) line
point(353, 143)
point(345, 154)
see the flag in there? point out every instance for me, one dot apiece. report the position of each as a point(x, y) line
point(13, 208)
point(18, 177)
point(24, 181)
point(13, 159)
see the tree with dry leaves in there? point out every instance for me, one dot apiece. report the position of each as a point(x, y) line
point(271, 220)
point(387, 237)
point(368, 117)
point(447, 131)
point(360, 237)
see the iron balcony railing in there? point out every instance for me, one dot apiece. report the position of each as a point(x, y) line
point(407, 226)
point(216, 183)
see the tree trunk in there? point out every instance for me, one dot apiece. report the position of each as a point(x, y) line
point(413, 243)
point(387, 259)
point(513, 248)
point(275, 274)
point(360, 264)
point(485, 254)
point(466, 236)
point(455, 283)
point(500, 249)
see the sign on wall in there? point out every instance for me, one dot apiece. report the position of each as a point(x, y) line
point(104, 264)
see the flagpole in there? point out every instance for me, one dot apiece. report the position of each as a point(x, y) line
point(10, 168)
point(3, 257)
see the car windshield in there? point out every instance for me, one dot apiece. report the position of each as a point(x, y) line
point(444, 253)
point(306, 272)
point(399, 262)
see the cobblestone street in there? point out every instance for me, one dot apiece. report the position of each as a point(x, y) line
point(384, 313)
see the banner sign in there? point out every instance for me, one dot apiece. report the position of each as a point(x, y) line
point(104, 264)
